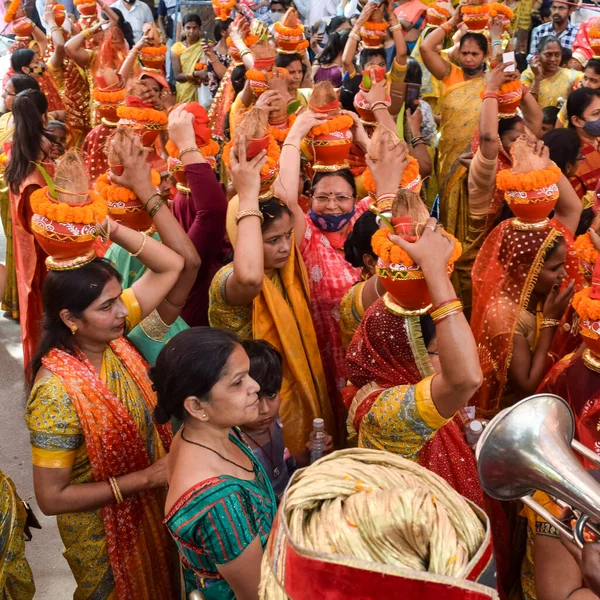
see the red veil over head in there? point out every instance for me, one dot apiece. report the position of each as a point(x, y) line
point(504, 276)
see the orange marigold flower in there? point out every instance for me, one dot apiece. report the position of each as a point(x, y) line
point(273, 153)
point(585, 249)
point(506, 180)
point(440, 9)
point(586, 307)
point(338, 123)
point(375, 26)
point(154, 50)
point(210, 149)
point(223, 8)
point(142, 114)
point(288, 31)
point(108, 97)
point(483, 9)
point(11, 11)
point(93, 211)
point(501, 9)
point(410, 174)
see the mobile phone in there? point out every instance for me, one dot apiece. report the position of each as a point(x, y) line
point(413, 91)
point(322, 28)
point(378, 2)
point(509, 57)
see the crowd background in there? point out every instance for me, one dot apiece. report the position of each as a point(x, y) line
point(243, 237)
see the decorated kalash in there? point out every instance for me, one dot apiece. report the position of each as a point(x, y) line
point(368, 524)
point(153, 54)
point(587, 305)
point(208, 147)
point(22, 25)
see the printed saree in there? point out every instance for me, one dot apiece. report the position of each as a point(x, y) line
point(187, 91)
point(16, 580)
point(280, 314)
point(553, 88)
point(459, 106)
point(588, 171)
point(100, 427)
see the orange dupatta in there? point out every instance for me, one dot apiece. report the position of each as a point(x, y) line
point(289, 327)
point(136, 538)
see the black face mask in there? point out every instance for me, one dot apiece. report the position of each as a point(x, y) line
point(474, 70)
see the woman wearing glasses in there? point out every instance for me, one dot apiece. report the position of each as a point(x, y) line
point(263, 294)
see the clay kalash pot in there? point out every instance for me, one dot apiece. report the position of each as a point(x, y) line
point(360, 103)
point(289, 33)
point(107, 101)
point(437, 15)
point(23, 27)
point(141, 118)
point(86, 8)
point(587, 305)
point(476, 17)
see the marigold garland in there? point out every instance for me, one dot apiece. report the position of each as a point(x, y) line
point(441, 10)
point(392, 253)
point(86, 214)
point(108, 97)
point(250, 40)
point(594, 31)
point(585, 249)
point(223, 8)
point(410, 174)
point(273, 154)
point(281, 133)
point(475, 10)
point(586, 307)
point(506, 180)
point(80, 2)
point(154, 50)
point(338, 123)
point(255, 75)
point(209, 150)
point(200, 66)
point(505, 88)
point(11, 11)
point(112, 192)
point(375, 26)
point(282, 29)
point(501, 9)
point(142, 114)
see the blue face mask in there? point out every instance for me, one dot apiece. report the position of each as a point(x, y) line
point(330, 222)
point(592, 128)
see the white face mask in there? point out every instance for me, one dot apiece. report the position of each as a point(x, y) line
point(276, 16)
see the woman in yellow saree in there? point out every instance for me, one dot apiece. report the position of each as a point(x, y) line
point(16, 580)
point(185, 56)
point(459, 105)
point(263, 294)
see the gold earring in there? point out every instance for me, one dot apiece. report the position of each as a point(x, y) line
point(73, 329)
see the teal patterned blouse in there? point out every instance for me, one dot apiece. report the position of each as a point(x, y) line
point(215, 521)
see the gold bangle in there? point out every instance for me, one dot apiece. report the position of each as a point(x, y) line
point(249, 213)
point(446, 310)
point(549, 323)
point(144, 240)
point(396, 27)
point(292, 145)
point(114, 486)
point(88, 34)
point(156, 207)
point(454, 312)
point(186, 150)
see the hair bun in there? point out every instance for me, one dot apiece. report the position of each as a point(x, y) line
point(161, 415)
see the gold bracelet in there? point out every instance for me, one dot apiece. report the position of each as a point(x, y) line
point(453, 312)
point(249, 213)
point(114, 486)
point(156, 207)
point(396, 27)
point(446, 310)
point(144, 240)
point(549, 323)
point(292, 145)
point(88, 34)
point(186, 150)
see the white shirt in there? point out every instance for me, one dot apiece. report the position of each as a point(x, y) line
point(139, 14)
point(322, 9)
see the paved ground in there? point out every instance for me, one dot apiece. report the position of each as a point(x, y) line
point(52, 576)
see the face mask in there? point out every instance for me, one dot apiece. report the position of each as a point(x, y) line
point(592, 128)
point(38, 69)
point(474, 70)
point(330, 222)
point(275, 16)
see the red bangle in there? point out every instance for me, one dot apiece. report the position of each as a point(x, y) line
point(441, 304)
point(493, 95)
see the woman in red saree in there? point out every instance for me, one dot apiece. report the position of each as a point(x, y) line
point(98, 455)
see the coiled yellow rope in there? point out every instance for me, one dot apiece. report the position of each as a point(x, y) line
point(380, 508)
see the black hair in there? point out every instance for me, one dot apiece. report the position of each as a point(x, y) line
point(22, 82)
point(349, 89)
point(478, 38)
point(29, 108)
point(335, 24)
point(358, 242)
point(73, 291)
point(335, 46)
point(125, 28)
point(564, 145)
point(578, 102)
point(593, 63)
point(266, 366)
point(544, 12)
point(283, 61)
point(21, 58)
point(368, 53)
point(567, 55)
point(284, 3)
point(550, 114)
point(345, 174)
point(221, 28)
point(238, 78)
point(272, 209)
point(190, 365)
point(192, 17)
point(548, 39)
point(507, 125)
point(414, 73)
point(427, 329)
point(585, 221)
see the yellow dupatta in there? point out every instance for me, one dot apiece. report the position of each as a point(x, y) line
point(289, 327)
point(188, 91)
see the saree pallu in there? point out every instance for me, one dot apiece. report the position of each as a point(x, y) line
point(553, 88)
point(29, 262)
point(16, 579)
point(187, 91)
point(117, 436)
point(460, 106)
point(588, 172)
point(94, 150)
point(48, 86)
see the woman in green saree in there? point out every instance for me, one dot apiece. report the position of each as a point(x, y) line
point(185, 56)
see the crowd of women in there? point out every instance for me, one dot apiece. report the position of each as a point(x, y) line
point(386, 222)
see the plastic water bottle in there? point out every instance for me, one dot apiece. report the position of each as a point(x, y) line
point(318, 437)
point(474, 430)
